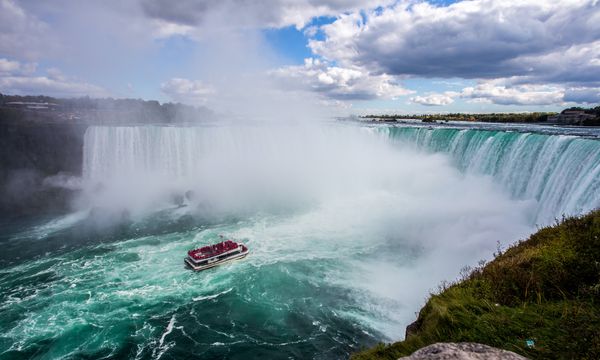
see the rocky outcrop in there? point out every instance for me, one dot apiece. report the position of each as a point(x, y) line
point(33, 160)
point(462, 351)
point(413, 328)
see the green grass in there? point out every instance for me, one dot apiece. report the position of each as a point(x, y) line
point(546, 288)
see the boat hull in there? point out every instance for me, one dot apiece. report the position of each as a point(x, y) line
point(231, 258)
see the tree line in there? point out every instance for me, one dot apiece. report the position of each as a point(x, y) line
point(106, 110)
point(533, 117)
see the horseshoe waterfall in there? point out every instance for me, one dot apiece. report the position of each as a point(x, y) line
point(349, 226)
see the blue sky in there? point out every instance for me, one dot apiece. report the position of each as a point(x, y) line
point(359, 56)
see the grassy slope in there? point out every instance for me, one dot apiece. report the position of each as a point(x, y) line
point(546, 288)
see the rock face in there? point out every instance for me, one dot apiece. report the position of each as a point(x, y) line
point(30, 153)
point(413, 328)
point(462, 351)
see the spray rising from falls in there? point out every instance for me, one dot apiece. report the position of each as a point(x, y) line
point(561, 172)
point(338, 198)
point(348, 232)
point(227, 165)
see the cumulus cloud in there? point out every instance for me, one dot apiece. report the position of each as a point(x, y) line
point(25, 85)
point(468, 39)
point(164, 29)
point(22, 35)
point(340, 83)
point(435, 99)
point(497, 93)
point(530, 52)
point(19, 78)
point(574, 65)
point(275, 13)
point(8, 66)
point(192, 92)
point(583, 95)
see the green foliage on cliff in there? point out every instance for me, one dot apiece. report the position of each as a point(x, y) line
point(546, 289)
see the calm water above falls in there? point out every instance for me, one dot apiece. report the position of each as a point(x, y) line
point(349, 228)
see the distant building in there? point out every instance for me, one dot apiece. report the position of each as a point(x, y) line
point(571, 117)
point(31, 105)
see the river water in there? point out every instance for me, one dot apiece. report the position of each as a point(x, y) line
point(350, 226)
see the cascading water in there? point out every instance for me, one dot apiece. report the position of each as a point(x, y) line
point(347, 230)
point(561, 172)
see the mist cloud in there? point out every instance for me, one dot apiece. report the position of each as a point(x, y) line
point(316, 190)
point(192, 92)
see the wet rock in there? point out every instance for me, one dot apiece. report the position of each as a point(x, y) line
point(462, 351)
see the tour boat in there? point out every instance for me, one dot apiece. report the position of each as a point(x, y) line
point(212, 255)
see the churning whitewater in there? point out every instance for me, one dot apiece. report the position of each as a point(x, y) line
point(350, 227)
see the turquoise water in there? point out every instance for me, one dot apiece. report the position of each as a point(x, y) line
point(561, 172)
point(349, 228)
point(130, 297)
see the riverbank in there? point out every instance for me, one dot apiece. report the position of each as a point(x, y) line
point(538, 299)
point(570, 117)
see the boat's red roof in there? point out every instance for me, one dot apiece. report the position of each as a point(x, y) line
point(213, 250)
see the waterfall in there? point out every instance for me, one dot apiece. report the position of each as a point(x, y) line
point(561, 172)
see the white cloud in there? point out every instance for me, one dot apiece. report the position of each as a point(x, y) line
point(56, 74)
point(8, 66)
point(340, 83)
point(435, 99)
point(18, 78)
point(22, 35)
point(163, 29)
point(583, 95)
point(192, 92)
point(500, 92)
point(497, 93)
point(468, 39)
point(527, 52)
point(576, 65)
point(44, 85)
point(262, 14)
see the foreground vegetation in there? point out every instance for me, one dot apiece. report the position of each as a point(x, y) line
point(545, 290)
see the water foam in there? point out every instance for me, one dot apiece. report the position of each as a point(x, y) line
point(347, 231)
point(560, 172)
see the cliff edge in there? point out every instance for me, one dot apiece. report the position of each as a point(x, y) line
point(462, 351)
point(539, 299)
